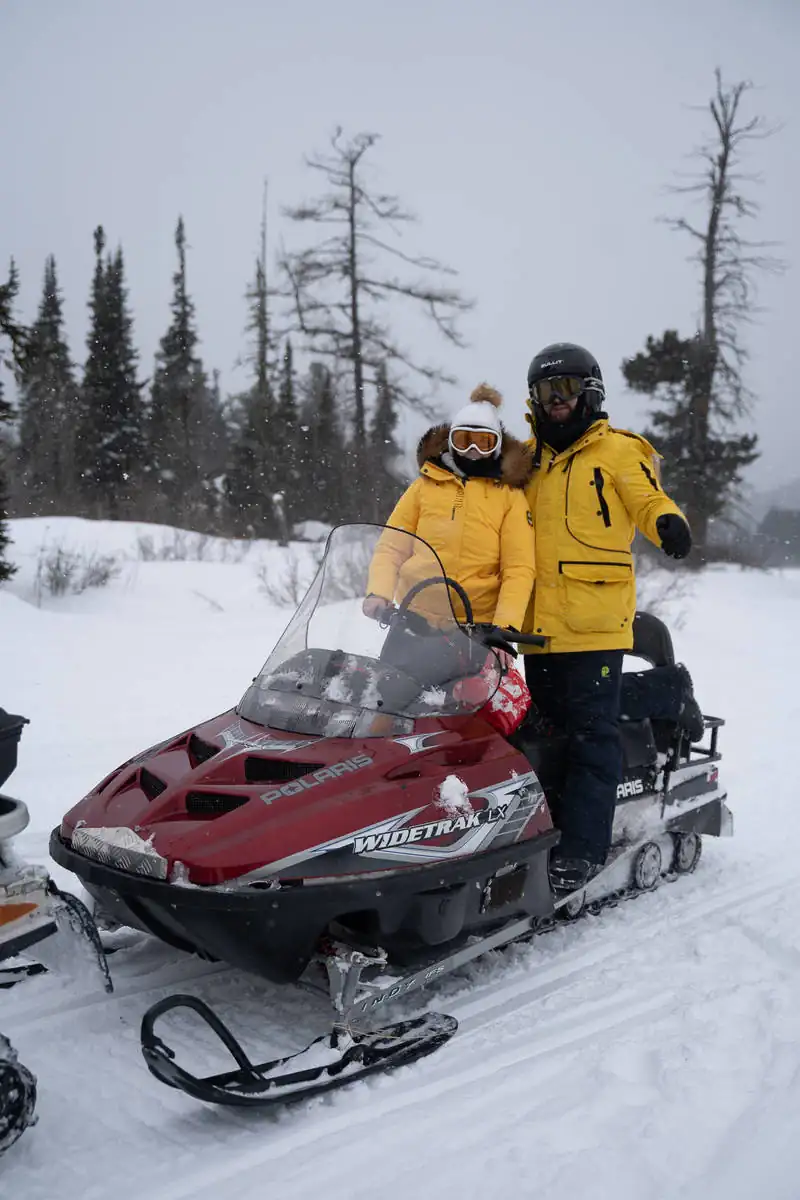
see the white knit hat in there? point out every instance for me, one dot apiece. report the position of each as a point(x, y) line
point(481, 412)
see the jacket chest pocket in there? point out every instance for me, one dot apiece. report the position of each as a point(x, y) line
point(592, 507)
point(596, 597)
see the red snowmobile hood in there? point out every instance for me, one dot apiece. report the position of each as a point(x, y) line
point(231, 798)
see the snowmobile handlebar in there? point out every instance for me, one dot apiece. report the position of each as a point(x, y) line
point(522, 639)
point(495, 638)
point(492, 636)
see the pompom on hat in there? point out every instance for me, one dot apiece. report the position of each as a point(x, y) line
point(481, 412)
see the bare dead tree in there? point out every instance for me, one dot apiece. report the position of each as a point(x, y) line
point(728, 261)
point(340, 288)
point(699, 380)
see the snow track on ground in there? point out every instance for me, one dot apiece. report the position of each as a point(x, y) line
point(518, 1009)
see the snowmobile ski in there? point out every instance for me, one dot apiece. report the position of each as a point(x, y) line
point(15, 974)
point(331, 1061)
point(17, 1096)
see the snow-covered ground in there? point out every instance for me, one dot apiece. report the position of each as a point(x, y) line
point(653, 1051)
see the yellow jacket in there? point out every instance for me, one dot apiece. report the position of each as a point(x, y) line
point(480, 528)
point(587, 503)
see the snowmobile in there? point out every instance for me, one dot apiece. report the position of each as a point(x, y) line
point(357, 825)
point(32, 909)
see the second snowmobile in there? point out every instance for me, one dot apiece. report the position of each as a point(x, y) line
point(358, 824)
point(32, 909)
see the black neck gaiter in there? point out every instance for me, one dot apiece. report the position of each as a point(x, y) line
point(559, 435)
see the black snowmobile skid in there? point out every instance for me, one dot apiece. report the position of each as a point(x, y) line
point(340, 1057)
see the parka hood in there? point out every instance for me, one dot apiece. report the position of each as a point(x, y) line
point(516, 459)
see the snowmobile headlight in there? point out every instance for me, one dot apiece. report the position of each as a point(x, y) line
point(375, 724)
point(121, 848)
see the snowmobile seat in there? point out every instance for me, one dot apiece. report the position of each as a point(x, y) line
point(652, 640)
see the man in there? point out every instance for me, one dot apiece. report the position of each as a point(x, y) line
point(593, 488)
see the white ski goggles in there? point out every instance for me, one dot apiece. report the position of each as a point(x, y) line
point(465, 437)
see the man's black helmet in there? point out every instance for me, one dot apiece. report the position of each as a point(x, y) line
point(565, 358)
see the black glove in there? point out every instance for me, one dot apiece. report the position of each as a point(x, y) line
point(676, 540)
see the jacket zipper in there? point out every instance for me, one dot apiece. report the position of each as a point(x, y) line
point(582, 562)
point(599, 483)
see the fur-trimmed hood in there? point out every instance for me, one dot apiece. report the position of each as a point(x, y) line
point(516, 459)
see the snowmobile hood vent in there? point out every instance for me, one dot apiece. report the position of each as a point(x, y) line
point(150, 784)
point(213, 804)
point(200, 751)
point(274, 770)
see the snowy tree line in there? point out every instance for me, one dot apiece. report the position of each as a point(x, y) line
point(297, 443)
point(319, 441)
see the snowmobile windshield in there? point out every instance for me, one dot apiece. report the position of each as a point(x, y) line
point(378, 641)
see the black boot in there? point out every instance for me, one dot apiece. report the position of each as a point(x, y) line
point(568, 874)
point(691, 715)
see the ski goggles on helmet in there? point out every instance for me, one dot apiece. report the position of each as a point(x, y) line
point(463, 438)
point(559, 389)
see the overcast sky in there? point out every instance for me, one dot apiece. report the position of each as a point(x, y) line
point(534, 139)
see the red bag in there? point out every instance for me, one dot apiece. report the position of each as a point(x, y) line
point(507, 708)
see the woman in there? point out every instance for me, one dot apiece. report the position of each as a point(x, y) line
point(468, 504)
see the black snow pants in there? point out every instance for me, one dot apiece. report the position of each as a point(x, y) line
point(580, 693)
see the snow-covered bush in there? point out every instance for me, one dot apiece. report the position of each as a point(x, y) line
point(59, 570)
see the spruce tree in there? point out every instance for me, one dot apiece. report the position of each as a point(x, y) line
point(322, 460)
point(111, 450)
point(6, 567)
point(13, 336)
point(48, 409)
point(249, 481)
point(179, 401)
point(703, 467)
point(386, 483)
point(285, 431)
